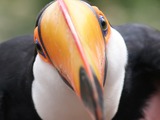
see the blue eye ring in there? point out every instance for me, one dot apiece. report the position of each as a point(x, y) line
point(39, 48)
point(104, 25)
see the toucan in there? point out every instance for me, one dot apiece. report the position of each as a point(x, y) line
point(79, 69)
point(76, 73)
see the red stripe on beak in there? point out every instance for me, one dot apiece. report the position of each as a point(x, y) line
point(68, 19)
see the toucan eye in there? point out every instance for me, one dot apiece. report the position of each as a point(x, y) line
point(103, 25)
point(39, 48)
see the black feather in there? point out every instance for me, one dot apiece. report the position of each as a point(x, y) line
point(142, 71)
point(16, 76)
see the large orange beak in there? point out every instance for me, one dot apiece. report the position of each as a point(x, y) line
point(72, 41)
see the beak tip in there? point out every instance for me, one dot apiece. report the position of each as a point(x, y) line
point(92, 99)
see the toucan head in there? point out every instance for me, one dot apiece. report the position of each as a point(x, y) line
point(71, 35)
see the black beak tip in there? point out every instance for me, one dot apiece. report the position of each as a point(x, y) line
point(95, 106)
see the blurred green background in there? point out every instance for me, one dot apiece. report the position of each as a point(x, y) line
point(17, 17)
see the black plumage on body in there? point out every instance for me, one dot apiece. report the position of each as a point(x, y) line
point(142, 78)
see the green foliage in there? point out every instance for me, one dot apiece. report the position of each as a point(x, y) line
point(18, 17)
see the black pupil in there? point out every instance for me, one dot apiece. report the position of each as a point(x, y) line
point(39, 48)
point(103, 23)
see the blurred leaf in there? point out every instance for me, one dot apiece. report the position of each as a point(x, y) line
point(18, 17)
